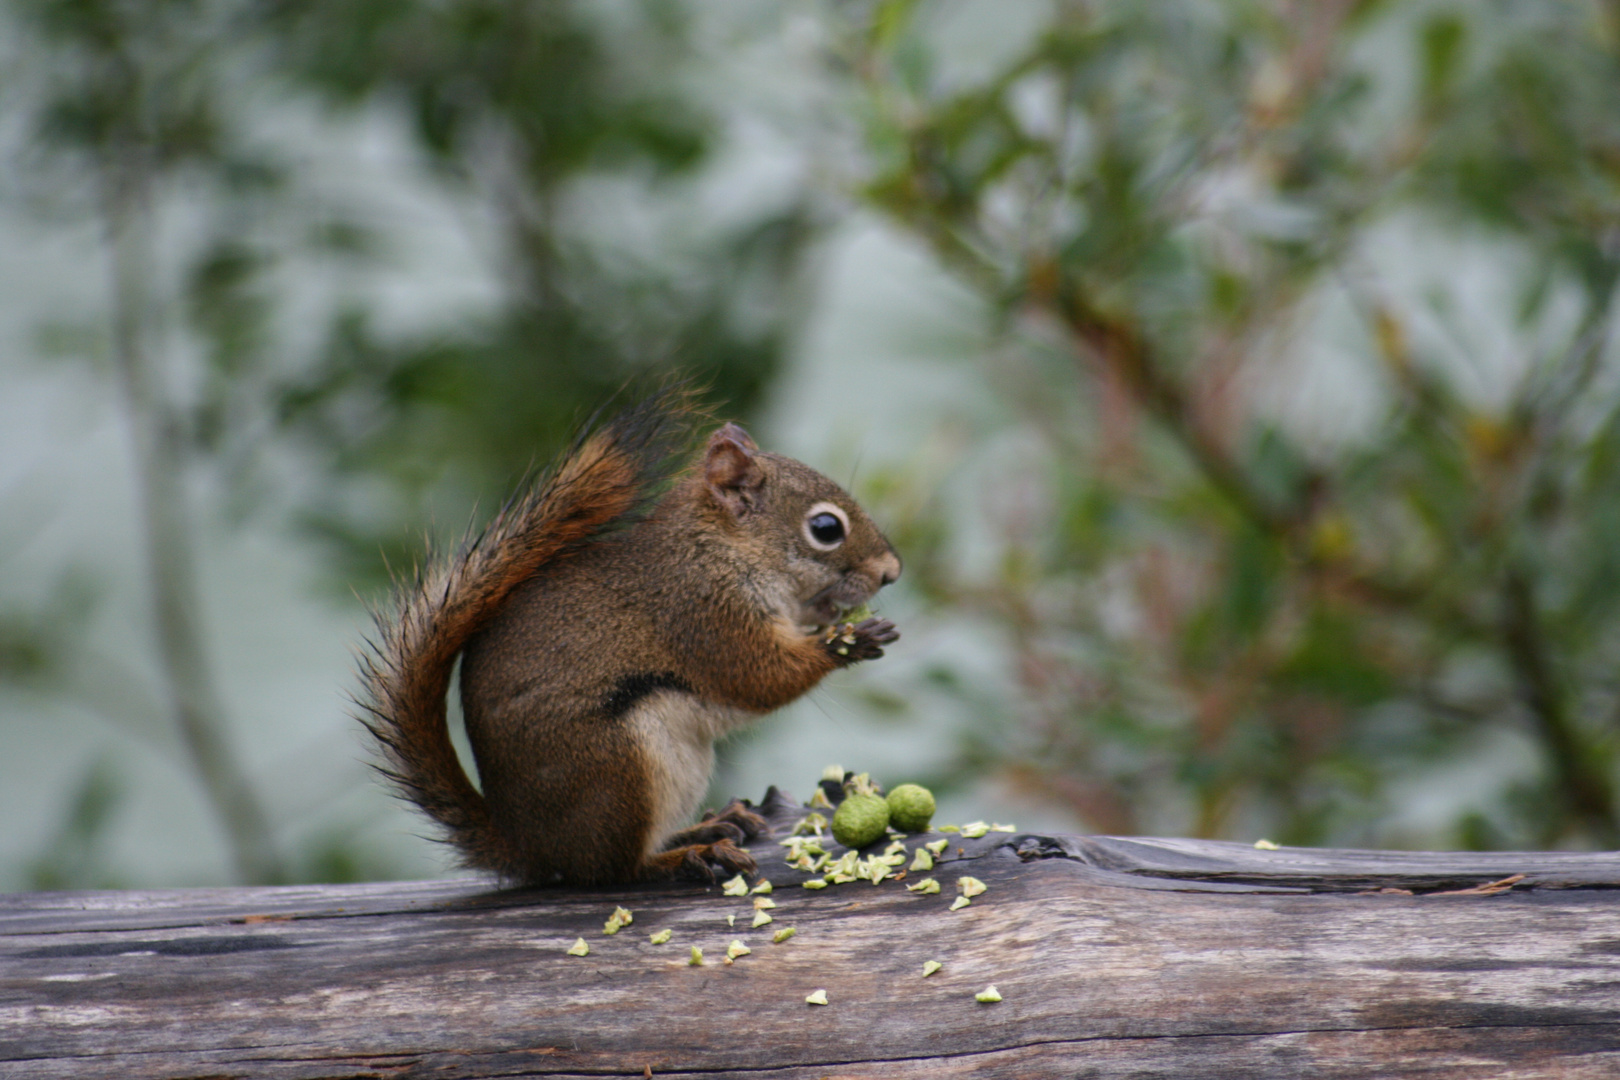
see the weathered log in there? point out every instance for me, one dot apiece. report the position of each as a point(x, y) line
point(1113, 956)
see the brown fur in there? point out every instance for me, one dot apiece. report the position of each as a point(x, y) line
point(605, 645)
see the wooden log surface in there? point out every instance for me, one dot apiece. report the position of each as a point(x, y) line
point(1114, 957)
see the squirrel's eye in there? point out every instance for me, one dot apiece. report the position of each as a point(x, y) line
point(825, 529)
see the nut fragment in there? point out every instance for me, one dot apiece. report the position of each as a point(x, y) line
point(937, 847)
point(975, 829)
point(763, 902)
point(620, 918)
point(812, 824)
point(696, 959)
point(816, 997)
point(931, 967)
point(922, 860)
point(927, 886)
point(660, 937)
point(783, 934)
point(736, 949)
point(579, 948)
point(816, 883)
point(737, 886)
point(763, 888)
point(970, 886)
point(761, 918)
point(1264, 845)
point(988, 995)
point(959, 903)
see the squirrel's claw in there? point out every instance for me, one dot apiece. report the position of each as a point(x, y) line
point(864, 641)
point(740, 812)
point(699, 862)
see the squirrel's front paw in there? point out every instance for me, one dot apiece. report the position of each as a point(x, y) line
point(863, 641)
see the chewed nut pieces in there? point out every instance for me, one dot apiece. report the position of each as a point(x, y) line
point(989, 995)
point(816, 997)
point(621, 917)
point(959, 903)
point(696, 959)
point(763, 902)
point(1265, 845)
point(922, 860)
point(927, 886)
point(975, 829)
point(937, 847)
point(737, 886)
point(931, 967)
point(579, 948)
point(816, 883)
point(783, 934)
point(970, 886)
point(661, 937)
point(736, 949)
point(761, 918)
point(731, 920)
point(763, 888)
point(812, 824)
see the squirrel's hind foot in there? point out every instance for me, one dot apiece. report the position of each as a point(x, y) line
point(699, 862)
point(736, 821)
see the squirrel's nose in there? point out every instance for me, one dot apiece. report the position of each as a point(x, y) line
point(888, 567)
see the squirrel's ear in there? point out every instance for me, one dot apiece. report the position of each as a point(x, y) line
point(731, 470)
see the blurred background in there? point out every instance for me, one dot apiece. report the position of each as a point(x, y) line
point(1239, 379)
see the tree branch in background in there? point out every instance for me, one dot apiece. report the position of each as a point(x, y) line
point(160, 467)
point(1588, 791)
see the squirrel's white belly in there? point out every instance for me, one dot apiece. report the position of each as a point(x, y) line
point(676, 733)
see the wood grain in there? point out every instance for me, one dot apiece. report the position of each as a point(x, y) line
point(1115, 957)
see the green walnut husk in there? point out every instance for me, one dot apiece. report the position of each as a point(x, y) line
point(860, 820)
point(911, 808)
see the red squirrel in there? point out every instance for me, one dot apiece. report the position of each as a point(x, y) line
point(634, 605)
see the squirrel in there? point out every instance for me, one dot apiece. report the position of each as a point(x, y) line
point(636, 603)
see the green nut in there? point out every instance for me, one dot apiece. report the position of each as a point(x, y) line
point(860, 819)
point(911, 808)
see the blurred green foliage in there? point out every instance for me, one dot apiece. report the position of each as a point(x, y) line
point(1251, 623)
point(1287, 525)
point(520, 104)
point(154, 118)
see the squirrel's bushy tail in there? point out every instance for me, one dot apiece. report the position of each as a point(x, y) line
point(606, 480)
